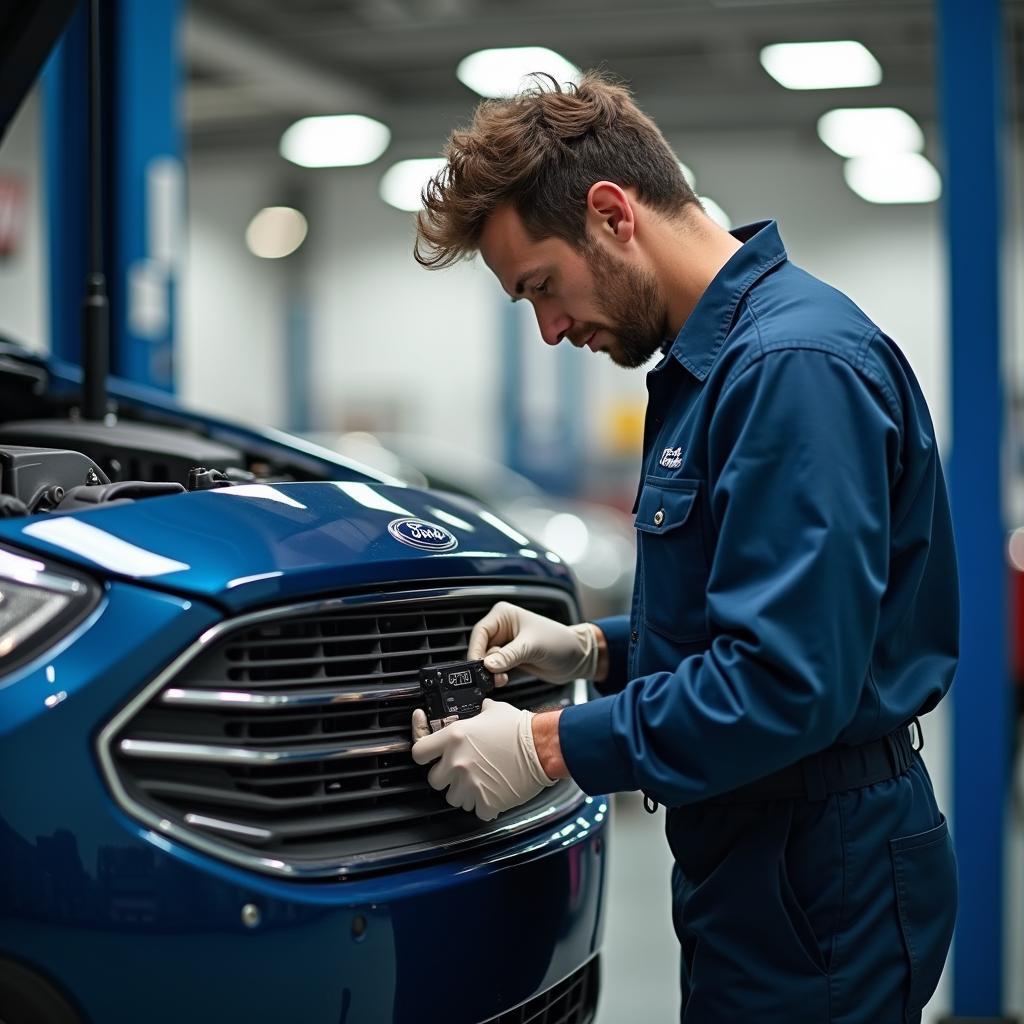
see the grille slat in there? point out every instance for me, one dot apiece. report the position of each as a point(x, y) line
point(225, 798)
point(241, 664)
point(572, 1001)
point(256, 732)
point(244, 699)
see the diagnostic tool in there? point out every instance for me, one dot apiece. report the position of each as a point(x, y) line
point(454, 691)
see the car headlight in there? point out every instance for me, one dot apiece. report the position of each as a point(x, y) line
point(37, 606)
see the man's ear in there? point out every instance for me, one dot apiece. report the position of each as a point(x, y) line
point(609, 212)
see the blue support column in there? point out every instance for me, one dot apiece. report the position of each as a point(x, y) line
point(971, 80)
point(143, 183)
point(147, 187)
point(297, 359)
point(511, 387)
point(65, 145)
point(557, 467)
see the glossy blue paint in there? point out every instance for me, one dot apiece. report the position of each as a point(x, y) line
point(131, 925)
point(970, 54)
point(257, 544)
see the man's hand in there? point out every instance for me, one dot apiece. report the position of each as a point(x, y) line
point(488, 763)
point(510, 637)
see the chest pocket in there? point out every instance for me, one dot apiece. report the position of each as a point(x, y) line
point(675, 566)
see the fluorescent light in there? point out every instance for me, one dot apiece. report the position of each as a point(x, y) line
point(402, 183)
point(715, 212)
point(503, 72)
point(870, 130)
point(691, 178)
point(338, 140)
point(842, 64)
point(1016, 549)
point(275, 231)
point(893, 178)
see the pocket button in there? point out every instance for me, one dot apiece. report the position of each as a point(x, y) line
point(659, 517)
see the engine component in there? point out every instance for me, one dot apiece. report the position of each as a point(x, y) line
point(39, 477)
point(123, 490)
point(129, 451)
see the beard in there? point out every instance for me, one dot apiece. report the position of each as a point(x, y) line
point(632, 302)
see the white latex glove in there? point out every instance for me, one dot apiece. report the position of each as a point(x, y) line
point(488, 763)
point(510, 637)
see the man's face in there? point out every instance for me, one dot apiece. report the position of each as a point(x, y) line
point(594, 298)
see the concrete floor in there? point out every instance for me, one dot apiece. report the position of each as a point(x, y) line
point(640, 958)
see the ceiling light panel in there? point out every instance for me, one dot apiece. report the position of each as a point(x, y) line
point(893, 178)
point(870, 130)
point(337, 140)
point(504, 72)
point(402, 183)
point(838, 64)
point(716, 213)
point(275, 231)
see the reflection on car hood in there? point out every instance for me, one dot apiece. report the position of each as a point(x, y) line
point(261, 544)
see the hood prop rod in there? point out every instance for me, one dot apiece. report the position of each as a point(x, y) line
point(95, 305)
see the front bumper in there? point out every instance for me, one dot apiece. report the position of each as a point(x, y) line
point(130, 925)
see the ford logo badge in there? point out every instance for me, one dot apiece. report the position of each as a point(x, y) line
point(419, 533)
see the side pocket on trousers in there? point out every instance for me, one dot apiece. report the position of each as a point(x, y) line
point(924, 870)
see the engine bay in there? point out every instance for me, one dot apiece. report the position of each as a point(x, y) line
point(64, 465)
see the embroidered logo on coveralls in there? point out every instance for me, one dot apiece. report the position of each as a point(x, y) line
point(672, 458)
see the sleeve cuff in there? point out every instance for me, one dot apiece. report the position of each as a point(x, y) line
point(616, 633)
point(590, 751)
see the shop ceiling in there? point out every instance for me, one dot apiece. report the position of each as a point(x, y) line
point(254, 66)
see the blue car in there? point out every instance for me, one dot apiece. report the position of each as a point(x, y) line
point(208, 810)
point(210, 645)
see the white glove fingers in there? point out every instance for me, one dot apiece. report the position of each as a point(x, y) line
point(500, 678)
point(498, 626)
point(439, 776)
point(480, 638)
point(512, 654)
point(420, 727)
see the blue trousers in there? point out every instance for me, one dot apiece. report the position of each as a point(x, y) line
point(797, 912)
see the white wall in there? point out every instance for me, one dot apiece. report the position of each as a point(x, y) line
point(24, 315)
point(231, 313)
point(424, 345)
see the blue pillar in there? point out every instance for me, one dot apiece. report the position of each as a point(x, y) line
point(558, 467)
point(143, 183)
point(971, 89)
point(297, 358)
point(511, 385)
point(65, 145)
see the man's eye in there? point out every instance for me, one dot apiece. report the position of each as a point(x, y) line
point(542, 288)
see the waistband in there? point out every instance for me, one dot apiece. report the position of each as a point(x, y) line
point(836, 770)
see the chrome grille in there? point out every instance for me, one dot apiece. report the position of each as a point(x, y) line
point(572, 1001)
point(280, 740)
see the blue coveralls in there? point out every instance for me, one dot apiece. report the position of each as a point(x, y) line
point(795, 588)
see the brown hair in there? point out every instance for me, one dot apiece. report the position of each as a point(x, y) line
point(541, 151)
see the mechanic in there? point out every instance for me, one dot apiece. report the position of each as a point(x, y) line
point(795, 605)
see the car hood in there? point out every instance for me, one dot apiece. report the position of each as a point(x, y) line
point(258, 544)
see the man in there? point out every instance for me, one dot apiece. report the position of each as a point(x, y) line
point(795, 602)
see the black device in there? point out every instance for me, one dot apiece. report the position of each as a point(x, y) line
point(454, 691)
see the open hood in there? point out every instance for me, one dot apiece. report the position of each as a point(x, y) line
point(259, 544)
point(29, 30)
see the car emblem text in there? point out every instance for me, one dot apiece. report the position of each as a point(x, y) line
point(419, 533)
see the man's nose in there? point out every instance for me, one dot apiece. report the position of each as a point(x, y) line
point(553, 328)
